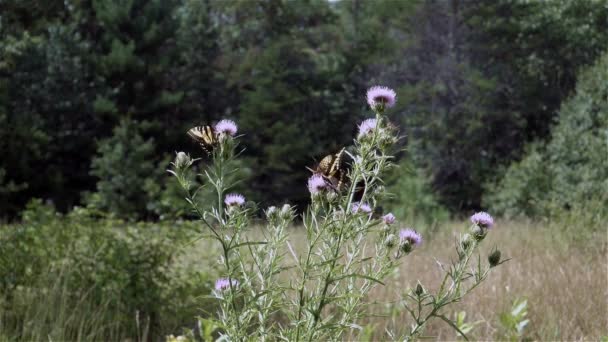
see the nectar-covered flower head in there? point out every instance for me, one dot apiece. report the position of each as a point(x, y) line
point(410, 236)
point(366, 127)
point(234, 200)
point(224, 283)
point(361, 208)
point(388, 218)
point(316, 183)
point(483, 220)
point(381, 97)
point(227, 127)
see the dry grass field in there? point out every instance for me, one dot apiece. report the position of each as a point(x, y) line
point(564, 282)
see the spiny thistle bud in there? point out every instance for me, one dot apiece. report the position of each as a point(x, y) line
point(494, 258)
point(390, 241)
point(182, 161)
point(466, 241)
point(419, 290)
point(272, 213)
point(479, 233)
point(286, 212)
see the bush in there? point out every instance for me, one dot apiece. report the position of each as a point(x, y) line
point(129, 275)
point(413, 197)
point(123, 164)
point(568, 172)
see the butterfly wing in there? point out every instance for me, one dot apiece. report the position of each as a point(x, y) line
point(205, 136)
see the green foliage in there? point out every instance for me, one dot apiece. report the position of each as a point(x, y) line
point(113, 279)
point(514, 321)
point(460, 322)
point(412, 197)
point(123, 165)
point(568, 172)
point(477, 81)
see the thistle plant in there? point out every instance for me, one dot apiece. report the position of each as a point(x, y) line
point(271, 291)
point(460, 278)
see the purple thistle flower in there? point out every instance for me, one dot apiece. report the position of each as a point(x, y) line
point(361, 207)
point(388, 218)
point(234, 199)
point(381, 96)
point(224, 283)
point(483, 220)
point(316, 183)
point(366, 127)
point(410, 236)
point(226, 127)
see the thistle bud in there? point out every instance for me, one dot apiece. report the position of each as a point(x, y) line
point(479, 233)
point(272, 213)
point(390, 241)
point(494, 258)
point(182, 161)
point(419, 290)
point(406, 247)
point(286, 212)
point(466, 242)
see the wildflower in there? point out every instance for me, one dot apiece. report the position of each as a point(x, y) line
point(227, 127)
point(366, 127)
point(379, 97)
point(483, 219)
point(225, 283)
point(361, 207)
point(408, 239)
point(411, 236)
point(234, 200)
point(316, 183)
point(388, 218)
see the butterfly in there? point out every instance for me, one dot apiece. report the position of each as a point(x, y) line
point(205, 136)
point(332, 169)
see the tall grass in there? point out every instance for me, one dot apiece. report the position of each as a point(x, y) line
point(564, 281)
point(50, 310)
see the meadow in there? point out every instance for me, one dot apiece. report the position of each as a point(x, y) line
point(562, 278)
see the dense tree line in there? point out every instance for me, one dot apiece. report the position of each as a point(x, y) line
point(95, 95)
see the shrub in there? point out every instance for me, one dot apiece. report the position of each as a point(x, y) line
point(569, 172)
point(412, 196)
point(129, 275)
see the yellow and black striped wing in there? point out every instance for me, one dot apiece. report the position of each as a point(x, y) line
point(205, 136)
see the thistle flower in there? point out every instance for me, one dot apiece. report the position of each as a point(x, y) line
point(361, 207)
point(366, 127)
point(316, 184)
point(379, 97)
point(227, 127)
point(224, 283)
point(234, 200)
point(483, 220)
point(408, 239)
point(410, 236)
point(388, 218)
